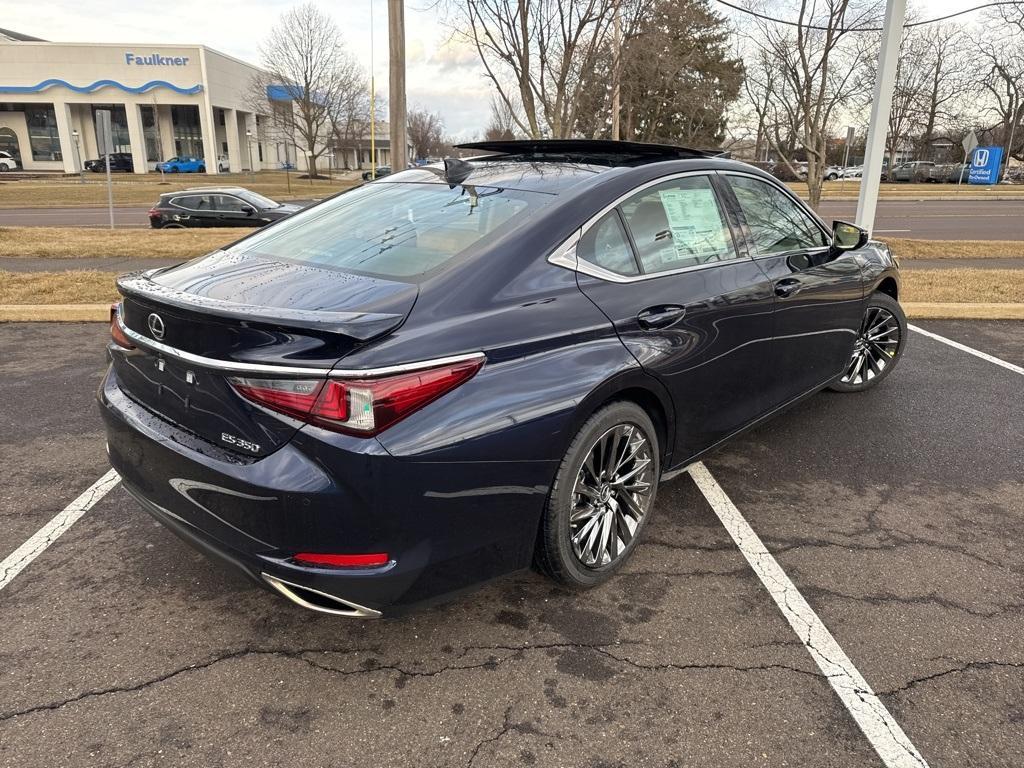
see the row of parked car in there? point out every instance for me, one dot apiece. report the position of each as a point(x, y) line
point(122, 161)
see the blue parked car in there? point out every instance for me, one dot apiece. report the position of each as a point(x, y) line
point(467, 368)
point(183, 164)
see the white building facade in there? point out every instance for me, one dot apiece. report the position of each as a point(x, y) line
point(165, 101)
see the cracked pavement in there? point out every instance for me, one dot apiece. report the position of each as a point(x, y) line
point(898, 515)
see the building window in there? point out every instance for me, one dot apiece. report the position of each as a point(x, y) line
point(42, 132)
point(188, 134)
point(118, 126)
point(151, 133)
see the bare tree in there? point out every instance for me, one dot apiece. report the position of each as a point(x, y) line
point(426, 133)
point(537, 53)
point(349, 110)
point(501, 126)
point(1002, 74)
point(817, 69)
point(303, 59)
point(946, 50)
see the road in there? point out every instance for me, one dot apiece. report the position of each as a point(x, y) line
point(939, 219)
point(897, 513)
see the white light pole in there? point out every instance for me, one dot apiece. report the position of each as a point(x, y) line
point(881, 105)
point(248, 141)
point(78, 156)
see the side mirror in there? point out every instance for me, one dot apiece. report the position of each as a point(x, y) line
point(248, 210)
point(847, 237)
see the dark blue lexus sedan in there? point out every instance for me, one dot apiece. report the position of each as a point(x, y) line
point(462, 369)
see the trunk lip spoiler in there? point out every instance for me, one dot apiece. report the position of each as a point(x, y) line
point(362, 326)
point(265, 369)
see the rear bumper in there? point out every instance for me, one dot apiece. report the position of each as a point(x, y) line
point(446, 526)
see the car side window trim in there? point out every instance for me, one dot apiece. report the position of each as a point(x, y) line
point(741, 218)
point(565, 254)
point(176, 204)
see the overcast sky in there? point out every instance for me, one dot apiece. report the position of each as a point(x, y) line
point(444, 75)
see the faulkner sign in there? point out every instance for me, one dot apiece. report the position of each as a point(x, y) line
point(155, 60)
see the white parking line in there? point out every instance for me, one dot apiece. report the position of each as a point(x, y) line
point(968, 350)
point(884, 733)
point(13, 564)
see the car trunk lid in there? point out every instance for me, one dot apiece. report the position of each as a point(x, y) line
point(197, 325)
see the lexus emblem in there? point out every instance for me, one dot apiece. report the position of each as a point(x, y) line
point(156, 326)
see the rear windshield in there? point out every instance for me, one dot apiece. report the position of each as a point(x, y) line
point(398, 230)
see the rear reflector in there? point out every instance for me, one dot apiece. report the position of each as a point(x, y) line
point(363, 407)
point(342, 561)
point(115, 329)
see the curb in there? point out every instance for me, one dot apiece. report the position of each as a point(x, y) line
point(100, 313)
point(976, 311)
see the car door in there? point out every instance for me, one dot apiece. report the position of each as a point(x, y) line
point(230, 211)
point(819, 293)
point(665, 265)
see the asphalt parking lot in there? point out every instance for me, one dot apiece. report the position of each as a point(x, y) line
point(898, 514)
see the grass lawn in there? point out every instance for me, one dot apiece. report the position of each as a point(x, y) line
point(80, 242)
point(146, 190)
point(906, 248)
point(934, 285)
point(835, 190)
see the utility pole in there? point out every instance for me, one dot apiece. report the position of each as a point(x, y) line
point(881, 105)
point(616, 70)
point(396, 85)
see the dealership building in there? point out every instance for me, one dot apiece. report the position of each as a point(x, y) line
point(165, 100)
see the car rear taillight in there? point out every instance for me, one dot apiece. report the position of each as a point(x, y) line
point(363, 407)
point(153, 213)
point(115, 328)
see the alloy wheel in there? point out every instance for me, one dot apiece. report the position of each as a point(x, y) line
point(611, 496)
point(876, 346)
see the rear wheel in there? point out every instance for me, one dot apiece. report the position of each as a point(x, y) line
point(879, 345)
point(602, 497)
point(172, 225)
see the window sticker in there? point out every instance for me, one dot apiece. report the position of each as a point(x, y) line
point(695, 222)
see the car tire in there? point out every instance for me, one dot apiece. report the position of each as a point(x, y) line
point(879, 345)
point(4, 168)
point(582, 549)
point(172, 225)
point(833, 176)
point(201, 169)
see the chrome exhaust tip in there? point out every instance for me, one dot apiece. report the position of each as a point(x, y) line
point(322, 602)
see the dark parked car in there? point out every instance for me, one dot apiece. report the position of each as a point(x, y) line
point(217, 207)
point(119, 161)
point(430, 381)
point(382, 171)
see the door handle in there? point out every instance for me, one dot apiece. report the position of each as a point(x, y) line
point(661, 316)
point(787, 286)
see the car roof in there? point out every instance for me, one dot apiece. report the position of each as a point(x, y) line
point(205, 191)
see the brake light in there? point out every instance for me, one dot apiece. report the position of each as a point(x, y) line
point(115, 328)
point(372, 560)
point(153, 213)
point(363, 407)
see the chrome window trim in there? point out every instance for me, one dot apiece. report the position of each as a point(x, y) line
point(261, 369)
point(818, 222)
point(210, 210)
point(565, 254)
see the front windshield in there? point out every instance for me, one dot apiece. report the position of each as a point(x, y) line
point(257, 200)
point(392, 230)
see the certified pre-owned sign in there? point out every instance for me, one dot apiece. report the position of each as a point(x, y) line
point(156, 60)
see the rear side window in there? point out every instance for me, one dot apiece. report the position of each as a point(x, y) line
point(393, 229)
point(605, 244)
point(775, 221)
point(678, 224)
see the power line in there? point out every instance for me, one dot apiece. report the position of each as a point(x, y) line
point(948, 16)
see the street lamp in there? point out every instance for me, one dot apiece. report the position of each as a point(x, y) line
point(248, 142)
point(78, 156)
